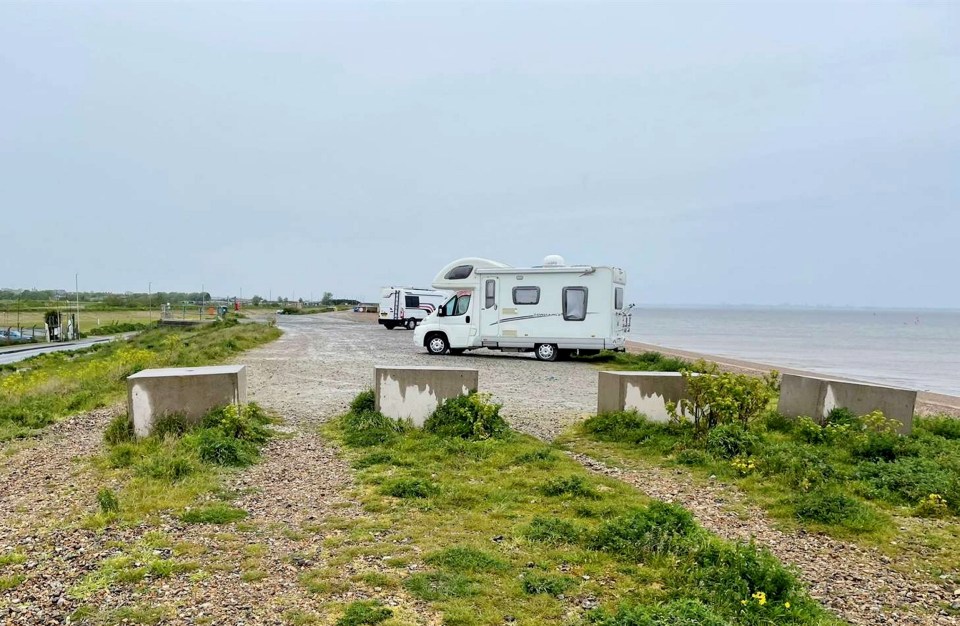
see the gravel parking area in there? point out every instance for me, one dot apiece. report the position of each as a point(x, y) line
point(323, 361)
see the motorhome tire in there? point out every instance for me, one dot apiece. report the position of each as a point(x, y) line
point(437, 344)
point(411, 324)
point(389, 325)
point(546, 352)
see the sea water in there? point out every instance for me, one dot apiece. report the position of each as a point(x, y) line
point(913, 349)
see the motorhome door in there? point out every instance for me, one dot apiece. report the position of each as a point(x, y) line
point(490, 308)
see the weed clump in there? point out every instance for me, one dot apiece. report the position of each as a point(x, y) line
point(433, 586)
point(552, 530)
point(174, 424)
point(409, 488)
point(213, 514)
point(465, 559)
point(549, 584)
point(467, 417)
point(364, 402)
point(119, 430)
point(659, 529)
point(574, 486)
point(830, 506)
point(728, 441)
point(364, 613)
point(677, 613)
point(364, 427)
point(108, 501)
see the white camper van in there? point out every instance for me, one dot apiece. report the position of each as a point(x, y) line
point(553, 310)
point(407, 306)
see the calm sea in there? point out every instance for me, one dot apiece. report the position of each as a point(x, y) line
point(913, 349)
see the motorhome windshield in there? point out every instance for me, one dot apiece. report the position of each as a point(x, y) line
point(457, 305)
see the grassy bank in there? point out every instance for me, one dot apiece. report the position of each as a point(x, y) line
point(850, 476)
point(488, 526)
point(37, 391)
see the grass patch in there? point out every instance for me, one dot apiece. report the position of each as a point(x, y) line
point(214, 514)
point(643, 362)
point(500, 549)
point(362, 613)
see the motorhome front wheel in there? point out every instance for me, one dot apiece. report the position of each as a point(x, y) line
point(437, 345)
point(411, 324)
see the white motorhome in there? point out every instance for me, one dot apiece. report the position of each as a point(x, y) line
point(408, 306)
point(553, 310)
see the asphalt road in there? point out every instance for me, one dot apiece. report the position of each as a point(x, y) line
point(12, 356)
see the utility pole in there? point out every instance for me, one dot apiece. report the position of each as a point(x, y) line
point(149, 303)
point(203, 299)
point(76, 288)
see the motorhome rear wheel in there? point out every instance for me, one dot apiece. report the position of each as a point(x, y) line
point(546, 352)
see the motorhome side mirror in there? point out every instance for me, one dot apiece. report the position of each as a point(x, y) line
point(441, 312)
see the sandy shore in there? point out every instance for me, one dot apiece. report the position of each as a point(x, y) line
point(927, 403)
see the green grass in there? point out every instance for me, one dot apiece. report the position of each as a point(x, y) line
point(38, 391)
point(642, 362)
point(494, 546)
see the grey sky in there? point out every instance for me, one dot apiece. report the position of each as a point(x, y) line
point(763, 153)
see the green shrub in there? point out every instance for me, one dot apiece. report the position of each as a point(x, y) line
point(933, 505)
point(716, 397)
point(830, 506)
point(728, 441)
point(661, 528)
point(677, 613)
point(809, 431)
point(643, 362)
point(941, 426)
point(778, 422)
point(552, 530)
point(840, 416)
point(731, 572)
point(798, 465)
point(574, 486)
point(170, 468)
point(368, 429)
point(409, 488)
point(174, 424)
point(364, 613)
point(213, 514)
point(549, 584)
point(246, 423)
point(108, 501)
point(908, 480)
point(364, 402)
point(119, 430)
point(467, 417)
point(873, 446)
point(216, 447)
point(693, 457)
point(623, 427)
point(465, 559)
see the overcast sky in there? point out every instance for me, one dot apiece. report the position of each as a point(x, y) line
point(764, 153)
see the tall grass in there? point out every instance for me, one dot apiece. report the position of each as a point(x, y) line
point(37, 391)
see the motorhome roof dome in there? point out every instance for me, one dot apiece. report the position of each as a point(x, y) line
point(553, 260)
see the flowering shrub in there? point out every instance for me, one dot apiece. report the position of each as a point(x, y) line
point(933, 505)
point(468, 417)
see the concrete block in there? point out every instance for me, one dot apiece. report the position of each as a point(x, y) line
point(414, 392)
point(643, 392)
point(815, 397)
point(189, 391)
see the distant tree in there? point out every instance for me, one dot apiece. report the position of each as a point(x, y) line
point(256, 300)
point(327, 297)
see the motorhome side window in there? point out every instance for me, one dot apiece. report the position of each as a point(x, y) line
point(618, 298)
point(490, 293)
point(526, 295)
point(413, 302)
point(574, 304)
point(459, 272)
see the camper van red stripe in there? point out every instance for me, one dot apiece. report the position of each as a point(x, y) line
point(429, 308)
